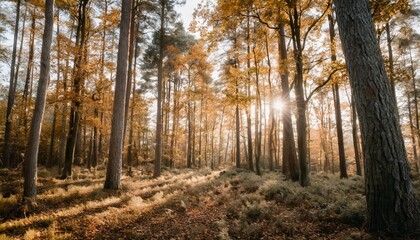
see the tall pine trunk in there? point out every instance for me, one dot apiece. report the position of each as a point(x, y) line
point(31, 156)
point(11, 94)
point(114, 167)
point(158, 147)
point(391, 203)
point(290, 167)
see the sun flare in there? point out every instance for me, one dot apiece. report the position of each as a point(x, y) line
point(278, 104)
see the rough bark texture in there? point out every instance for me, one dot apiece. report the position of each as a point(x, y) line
point(158, 148)
point(391, 203)
point(337, 104)
point(31, 156)
point(114, 167)
point(11, 95)
point(290, 167)
point(77, 88)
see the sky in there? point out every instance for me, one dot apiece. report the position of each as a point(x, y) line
point(186, 11)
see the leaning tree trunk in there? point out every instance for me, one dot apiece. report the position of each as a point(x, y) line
point(391, 203)
point(114, 167)
point(31, 156)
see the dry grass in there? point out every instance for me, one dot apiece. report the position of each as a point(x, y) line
point(189, 204)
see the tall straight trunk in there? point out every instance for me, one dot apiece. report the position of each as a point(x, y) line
point(238, 135)
point(158, 147)
point(63, 132)
point(412, 130)
point(193, 135)
point(28, 72)
point(51, 157)
point(339, 127)
point(248, 93)
point(11, 95)
point(219, 149)
point(78, 79)
point(337, 103)
point(290, 167)
point(300, 100)
point(175, 114)
point(190, 134)
point(97, 135)
point(130, 83)
point(391, 203)
point(114, 167)
point(416, 106)
point(391, 60)
point(258, 119)
point(190, 121)
point(355, 138)
point(133, 102)
point(31, 156)
point(330, 139)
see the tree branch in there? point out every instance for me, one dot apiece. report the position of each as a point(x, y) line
point(322, 85)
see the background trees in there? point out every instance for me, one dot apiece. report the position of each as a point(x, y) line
point(260, 86)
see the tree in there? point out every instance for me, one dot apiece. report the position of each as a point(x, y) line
point(114, 167)
point(391, 203)
point(31, 156)
point(337, 104)
point(11, 96)
point(78, 80)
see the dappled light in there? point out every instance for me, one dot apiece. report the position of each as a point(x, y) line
point(209, 119)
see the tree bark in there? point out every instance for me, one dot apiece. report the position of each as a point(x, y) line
point(412, 130)
point(77, 85)
point(355, 139)
point(114, 167)
point(290, 167)
point(31, 156)
point(11, 95)
point(158, 147)
point(391, 203)
point(337, 104)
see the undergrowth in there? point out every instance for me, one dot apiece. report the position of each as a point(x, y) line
point(207, 204)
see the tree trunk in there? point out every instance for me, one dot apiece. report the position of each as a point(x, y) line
point(248, 93)
point(416, 106)
point(391, 60)
point(31, 156)
point(355, 139)
point(28, 72)
point(300, 100)
point(272, 119)
point(11, 95)
point(238, 135)
point(114, 167)
point(77, 84)
point(391, 203)
point(412, 130)
point(337, 103)
point(158, 148)
point(258, 119)
point(290, 167)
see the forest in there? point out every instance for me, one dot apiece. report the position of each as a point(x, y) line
point(258, 119)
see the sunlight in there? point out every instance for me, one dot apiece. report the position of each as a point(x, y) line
point(278, 104)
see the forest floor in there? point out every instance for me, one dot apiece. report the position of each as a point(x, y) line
point(186, 204)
